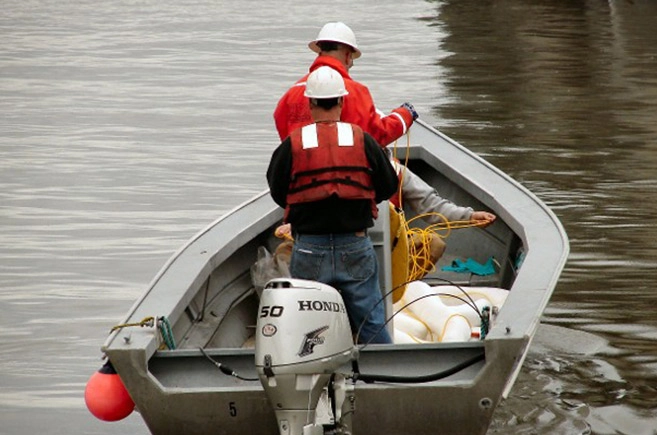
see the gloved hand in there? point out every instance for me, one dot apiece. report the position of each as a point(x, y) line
point(410, 108)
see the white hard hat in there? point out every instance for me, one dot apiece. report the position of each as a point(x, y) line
point(325, 82)
point(336, 32)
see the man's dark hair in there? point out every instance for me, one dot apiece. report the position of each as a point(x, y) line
point(326, 103)
point(327, 46)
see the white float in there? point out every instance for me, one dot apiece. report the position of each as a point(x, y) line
point(427, 314)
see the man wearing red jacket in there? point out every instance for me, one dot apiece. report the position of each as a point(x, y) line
point(336, 47)
point(329, 176)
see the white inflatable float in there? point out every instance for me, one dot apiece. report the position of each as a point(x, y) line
point(426, 314)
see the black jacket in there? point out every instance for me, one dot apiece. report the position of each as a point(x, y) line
point(331, 215)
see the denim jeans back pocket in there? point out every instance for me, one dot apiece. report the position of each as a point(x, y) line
point(306, 263)
point(360, 263)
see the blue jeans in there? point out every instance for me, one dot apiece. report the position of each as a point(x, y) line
point(348, 263)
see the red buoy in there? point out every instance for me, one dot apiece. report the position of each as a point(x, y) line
point(106, 396)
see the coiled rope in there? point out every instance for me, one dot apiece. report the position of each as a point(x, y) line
point(420, 253)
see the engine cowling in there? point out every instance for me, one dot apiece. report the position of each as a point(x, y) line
point(302, 328)
point(303, 337)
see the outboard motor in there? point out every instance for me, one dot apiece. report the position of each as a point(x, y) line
point(302, 338)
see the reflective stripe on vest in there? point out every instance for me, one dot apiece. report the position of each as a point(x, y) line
point(310, 140)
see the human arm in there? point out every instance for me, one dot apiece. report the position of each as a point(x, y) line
point(280, 118)
point(292, 110)
point(424, 199)
point(278, 173)
point(359, 109)
point(384, 177)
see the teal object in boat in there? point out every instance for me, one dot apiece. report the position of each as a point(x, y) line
point(471, 266)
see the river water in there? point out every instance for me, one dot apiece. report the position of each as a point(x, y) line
point(127, 126)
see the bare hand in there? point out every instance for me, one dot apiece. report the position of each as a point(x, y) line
point(284, 231)
point(484, 217)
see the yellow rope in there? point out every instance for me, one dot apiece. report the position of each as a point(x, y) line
point(420, 256)
point(146, 321)
point(420, 253)
point(394, 155)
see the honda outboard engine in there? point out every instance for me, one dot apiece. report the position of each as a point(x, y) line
point(303, 337)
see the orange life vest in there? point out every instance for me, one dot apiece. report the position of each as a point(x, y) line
point(328, 158)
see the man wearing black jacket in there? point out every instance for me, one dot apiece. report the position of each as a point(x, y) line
point(329, 176)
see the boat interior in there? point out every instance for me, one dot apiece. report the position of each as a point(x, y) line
point(222, 311)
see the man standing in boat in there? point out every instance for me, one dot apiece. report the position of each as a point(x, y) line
point(329, 176)
point(336, 47)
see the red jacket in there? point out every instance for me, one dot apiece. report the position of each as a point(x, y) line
point(328, 158)
point(293, 111)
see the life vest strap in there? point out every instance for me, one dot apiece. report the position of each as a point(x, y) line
point(332, 169)
point(316, 183)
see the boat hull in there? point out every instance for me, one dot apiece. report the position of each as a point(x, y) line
point(206, 294)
